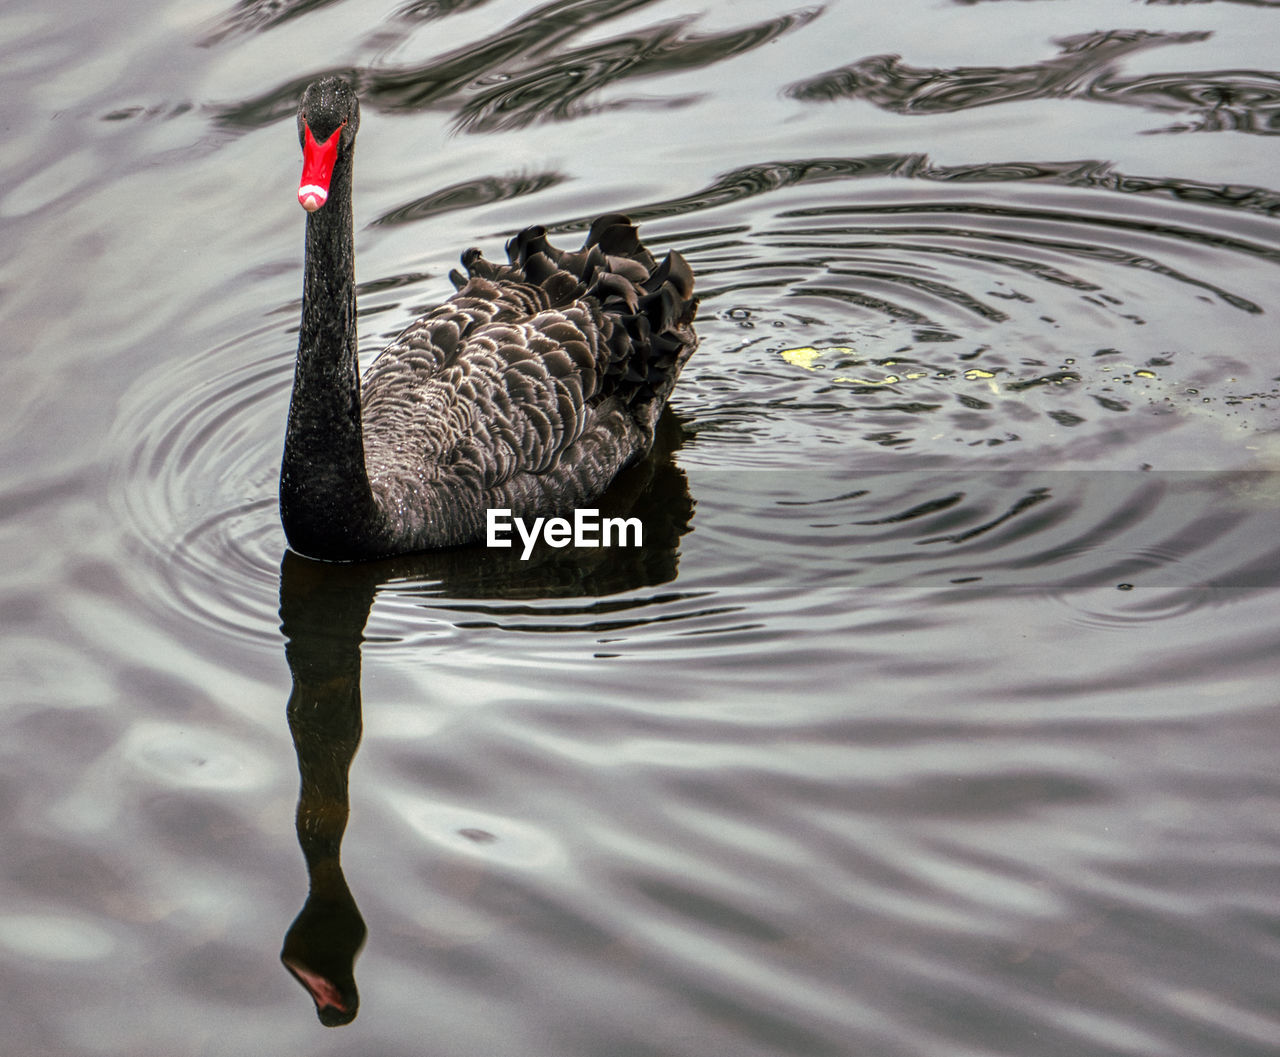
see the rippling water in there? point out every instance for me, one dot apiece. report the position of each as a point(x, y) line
point(936, 714)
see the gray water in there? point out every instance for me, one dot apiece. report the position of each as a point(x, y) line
point(937, 714)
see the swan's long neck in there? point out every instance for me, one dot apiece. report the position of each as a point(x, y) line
point(325, 500)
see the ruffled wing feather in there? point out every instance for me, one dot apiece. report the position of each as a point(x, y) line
point(525, 369)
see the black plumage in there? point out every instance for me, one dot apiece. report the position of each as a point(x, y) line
point(528, 389)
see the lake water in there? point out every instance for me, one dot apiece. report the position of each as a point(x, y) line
point(938, 713)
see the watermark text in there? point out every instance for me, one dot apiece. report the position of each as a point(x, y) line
point(587, 529)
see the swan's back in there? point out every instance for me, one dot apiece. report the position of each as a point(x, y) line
point(532, 386)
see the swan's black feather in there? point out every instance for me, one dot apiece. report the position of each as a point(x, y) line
point(555, 366)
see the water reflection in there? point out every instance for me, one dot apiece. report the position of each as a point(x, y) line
point(525, 72)
point(258, 16)
point(324, 608)
point(950, 751)
point(766, 177)
point(556, 88)
point(520, 74)
point(1084, 68)
point(468, 194)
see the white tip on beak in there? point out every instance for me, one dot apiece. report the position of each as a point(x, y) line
point(312, 197)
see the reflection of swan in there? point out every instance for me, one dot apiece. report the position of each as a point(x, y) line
point(323, 619)
point(323, 612)
point(528, 390)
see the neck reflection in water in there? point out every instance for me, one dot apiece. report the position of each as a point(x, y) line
point(323, 611)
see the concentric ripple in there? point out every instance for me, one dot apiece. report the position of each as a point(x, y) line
point(1013, 382)
point(1105, 341)
point(199, 486)
point(998, 320)
point(198, 493)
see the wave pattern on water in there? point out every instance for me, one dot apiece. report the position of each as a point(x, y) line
point(1085, 68)
point(937, 713)
point(471, 193)
point(766, 177)
point(556, 90)
point(215, 550)
point(524, 73)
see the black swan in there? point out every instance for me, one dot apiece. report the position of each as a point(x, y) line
point(529, 389)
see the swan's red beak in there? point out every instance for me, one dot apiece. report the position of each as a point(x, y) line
point(317, 169)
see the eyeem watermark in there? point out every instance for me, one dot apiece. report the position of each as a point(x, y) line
point(587, 529)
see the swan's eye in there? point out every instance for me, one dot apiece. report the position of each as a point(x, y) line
point(317, 168)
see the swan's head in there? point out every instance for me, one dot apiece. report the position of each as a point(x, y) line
point(328, 117)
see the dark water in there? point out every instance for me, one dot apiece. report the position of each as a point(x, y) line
point(937, 715)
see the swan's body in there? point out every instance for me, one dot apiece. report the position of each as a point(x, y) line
point(529, 389)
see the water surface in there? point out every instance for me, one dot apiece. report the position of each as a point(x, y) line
point(937, 713)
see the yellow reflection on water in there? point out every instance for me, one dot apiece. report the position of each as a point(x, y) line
point(809, 357)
